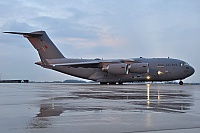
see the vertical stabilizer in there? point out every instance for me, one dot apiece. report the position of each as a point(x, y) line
point(42, 43)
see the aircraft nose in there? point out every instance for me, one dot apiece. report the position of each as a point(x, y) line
point(191, 70)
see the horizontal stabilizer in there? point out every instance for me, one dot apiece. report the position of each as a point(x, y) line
point(33, 34)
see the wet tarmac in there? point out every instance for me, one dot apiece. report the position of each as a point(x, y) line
point(92, 108)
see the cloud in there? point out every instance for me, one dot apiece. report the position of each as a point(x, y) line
point(107, 29)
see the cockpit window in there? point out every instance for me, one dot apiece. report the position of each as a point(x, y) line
point(184, 64)
point(181, 64)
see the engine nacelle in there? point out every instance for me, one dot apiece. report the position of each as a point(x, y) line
point(117, 69)
point(139, 68)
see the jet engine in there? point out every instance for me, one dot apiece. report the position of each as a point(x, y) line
point(117, 69)
point(139, 68)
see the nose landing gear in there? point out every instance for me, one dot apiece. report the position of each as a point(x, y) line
point(180, 82)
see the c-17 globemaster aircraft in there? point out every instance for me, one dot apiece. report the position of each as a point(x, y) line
point(107, 71)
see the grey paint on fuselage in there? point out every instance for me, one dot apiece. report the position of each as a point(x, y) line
point(107, 71)
point(170, 69)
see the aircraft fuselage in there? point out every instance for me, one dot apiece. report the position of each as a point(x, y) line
point(160, 69)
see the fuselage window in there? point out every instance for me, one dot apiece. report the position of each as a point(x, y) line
point(171, 65)
point(160, 65)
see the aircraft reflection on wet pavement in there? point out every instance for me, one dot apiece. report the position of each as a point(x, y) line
point(106, 99)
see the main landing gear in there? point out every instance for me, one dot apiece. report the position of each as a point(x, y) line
point(180, 82)
point(111, 83)
point(103, 83)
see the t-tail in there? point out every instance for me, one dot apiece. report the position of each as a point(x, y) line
point(42, 43)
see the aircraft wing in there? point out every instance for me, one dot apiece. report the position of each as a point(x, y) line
point(87, 64)
point(94, 63)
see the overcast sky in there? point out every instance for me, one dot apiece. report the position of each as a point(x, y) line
point(99, 28)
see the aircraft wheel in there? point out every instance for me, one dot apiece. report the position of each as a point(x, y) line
point(181, 83)
point(112, 83)
point(103, 83)
point(120, 83)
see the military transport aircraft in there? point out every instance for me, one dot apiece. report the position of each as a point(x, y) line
point(107, 71)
